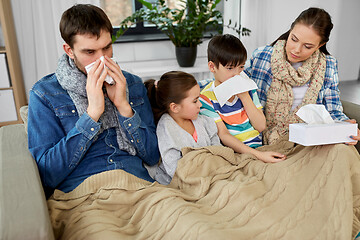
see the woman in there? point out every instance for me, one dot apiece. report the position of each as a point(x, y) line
point(297, 70)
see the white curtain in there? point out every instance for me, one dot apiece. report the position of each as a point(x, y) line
point(256, 15)
point(252, 14)
point(38, 35)
point(269, 19)
point(231, 13)
point(40, 43)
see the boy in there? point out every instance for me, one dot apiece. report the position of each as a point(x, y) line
point(241, 119)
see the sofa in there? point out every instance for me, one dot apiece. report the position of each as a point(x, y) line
point(23, 208)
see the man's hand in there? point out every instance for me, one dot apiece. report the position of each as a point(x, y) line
point(95, 95)
point(117, 91)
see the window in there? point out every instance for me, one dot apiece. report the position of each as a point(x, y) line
point(118, 10)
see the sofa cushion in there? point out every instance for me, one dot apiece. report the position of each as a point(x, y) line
point(23, 208)
point(24, 115)
point(352, 110)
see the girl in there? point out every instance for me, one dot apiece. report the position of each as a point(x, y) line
point(176, 106)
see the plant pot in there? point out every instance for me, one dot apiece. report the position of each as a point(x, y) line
point(186, 56)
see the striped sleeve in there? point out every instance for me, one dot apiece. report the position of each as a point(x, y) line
point(255, 98)
point(207, 97)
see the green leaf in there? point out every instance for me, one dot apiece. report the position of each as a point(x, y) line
point(185, 26)
point(146, 4)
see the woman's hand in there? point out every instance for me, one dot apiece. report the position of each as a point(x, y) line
point(356, 138)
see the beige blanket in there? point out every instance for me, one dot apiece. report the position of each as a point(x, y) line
point(216, 194)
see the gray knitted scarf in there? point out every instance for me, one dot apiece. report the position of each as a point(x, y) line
point(74, 82)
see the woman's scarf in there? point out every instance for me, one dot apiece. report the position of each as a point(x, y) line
point(280, 94)
point(74, 82)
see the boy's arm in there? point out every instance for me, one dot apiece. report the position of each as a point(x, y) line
point(256, 116)
point(229, 140)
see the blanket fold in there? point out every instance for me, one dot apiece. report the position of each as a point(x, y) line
point(219, 194)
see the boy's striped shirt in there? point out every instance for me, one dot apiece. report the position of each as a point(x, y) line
point(232, 114)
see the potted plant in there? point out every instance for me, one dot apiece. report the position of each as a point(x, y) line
point(185, 27)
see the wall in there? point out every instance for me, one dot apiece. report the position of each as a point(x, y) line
point(269, 19)
point(266, 18)
point(40, 44)
point(152, 59)
point(348, 42)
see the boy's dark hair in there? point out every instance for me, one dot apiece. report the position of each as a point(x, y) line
point(83, 19)
point(227, 50)
point(172, 87)
point(316, 18)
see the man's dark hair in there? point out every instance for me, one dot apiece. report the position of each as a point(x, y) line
point(227, 50)
point(83, 19)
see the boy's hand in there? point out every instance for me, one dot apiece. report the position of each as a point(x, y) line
point(243, 96)
point(270, 157)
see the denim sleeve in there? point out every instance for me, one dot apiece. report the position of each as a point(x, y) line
point(56, 152)
point(140, 130)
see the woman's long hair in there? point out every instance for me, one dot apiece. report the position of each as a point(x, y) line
point(316, 18)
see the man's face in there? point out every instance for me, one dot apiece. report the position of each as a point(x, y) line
point(88, 48)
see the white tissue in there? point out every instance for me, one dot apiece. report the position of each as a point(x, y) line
point(108, 79)
point(237, 84)
point(315, 114)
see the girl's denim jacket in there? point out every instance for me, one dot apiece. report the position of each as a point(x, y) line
point(68, 148)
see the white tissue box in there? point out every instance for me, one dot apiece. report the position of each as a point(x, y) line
point(321, 134)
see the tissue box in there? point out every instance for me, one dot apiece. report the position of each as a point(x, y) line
point(321, 134)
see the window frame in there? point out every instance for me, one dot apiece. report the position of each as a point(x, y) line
point(140, 33)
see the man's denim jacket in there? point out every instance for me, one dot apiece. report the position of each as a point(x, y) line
point(69, 148)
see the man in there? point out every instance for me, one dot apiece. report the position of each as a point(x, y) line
point(80, 125)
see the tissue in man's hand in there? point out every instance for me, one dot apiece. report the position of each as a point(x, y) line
point(319, 128)
point(237, 84)
point(108, 79)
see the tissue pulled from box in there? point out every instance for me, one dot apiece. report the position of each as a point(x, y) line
point(108, 79)
point(237, 84)
point(315, 114)
point(319, 128)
